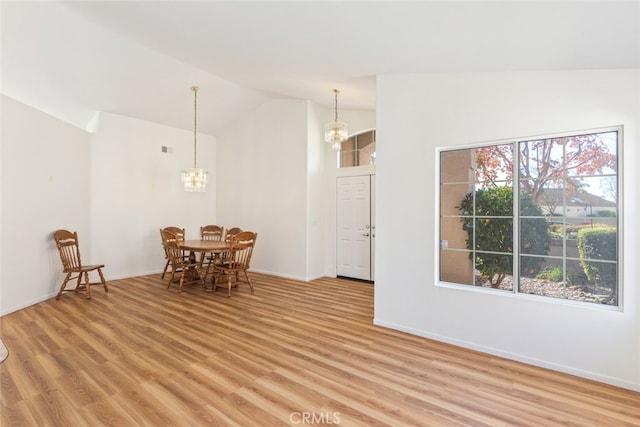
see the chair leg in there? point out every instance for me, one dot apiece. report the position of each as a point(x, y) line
point(181, 281)
point(173, 272)
point(79, 282)
point(166, 266)
point(87, 285)
point(229, 286)
point(214, 284)
point(64, 285)
point(104, 282)
point(248, 281)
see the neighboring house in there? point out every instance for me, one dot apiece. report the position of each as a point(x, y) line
point(582, 204)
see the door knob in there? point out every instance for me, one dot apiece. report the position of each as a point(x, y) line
point(365, 235)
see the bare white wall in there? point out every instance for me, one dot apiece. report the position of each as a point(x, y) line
point(416, 114)
point(262, 184)
point(45, 186)
point(316, 177)
point(136, 190)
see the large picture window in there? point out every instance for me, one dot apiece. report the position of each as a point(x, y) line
point(534, 216)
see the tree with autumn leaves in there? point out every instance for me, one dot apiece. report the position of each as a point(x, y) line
point(553, 163)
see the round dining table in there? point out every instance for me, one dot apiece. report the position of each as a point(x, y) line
point(204, 247)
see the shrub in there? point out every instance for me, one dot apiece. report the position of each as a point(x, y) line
point(594, 244)
point(551, 273)
point(496, 234)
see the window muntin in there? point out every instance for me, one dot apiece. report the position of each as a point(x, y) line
point(564, 216)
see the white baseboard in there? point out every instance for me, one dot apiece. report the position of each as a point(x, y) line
point(618, 382)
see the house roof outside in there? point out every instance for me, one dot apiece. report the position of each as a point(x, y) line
point(580, 198)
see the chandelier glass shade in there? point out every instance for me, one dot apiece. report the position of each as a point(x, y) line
point(336, 133)
point(194, 179)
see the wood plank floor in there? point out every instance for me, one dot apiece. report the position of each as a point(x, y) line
point(294, 353)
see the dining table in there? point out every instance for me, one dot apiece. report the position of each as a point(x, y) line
point(204, 247)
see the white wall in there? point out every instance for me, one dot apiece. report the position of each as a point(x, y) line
point(262, 184)
point(136, 190)
point(45, 186)
point(416, 114)
point(316, 177)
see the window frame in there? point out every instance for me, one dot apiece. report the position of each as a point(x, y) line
point(517, 217)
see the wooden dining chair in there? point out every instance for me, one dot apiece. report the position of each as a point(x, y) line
point(228, 234)
point(238, 259)
point(180, 264)
point(232, 232)
point(173, 233)
point(211, 232)
point(69, 250)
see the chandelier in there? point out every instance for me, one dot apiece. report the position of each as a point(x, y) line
point(194, 179)
point(336, 133)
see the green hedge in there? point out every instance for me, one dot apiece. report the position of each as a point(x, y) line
point(598, 243)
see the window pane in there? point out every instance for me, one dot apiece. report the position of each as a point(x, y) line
point(451, 195)
point(591, 154)
point(570, 282)
point(494, 270)
point(549, 280)
point(494, 164)
point(541, 161)
point(358, 150)
point(494, 234)
point(456, 267)
point(452, 235)
point(534, 240)
point(456, 166)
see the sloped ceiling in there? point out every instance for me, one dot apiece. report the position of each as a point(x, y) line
point(139, 59)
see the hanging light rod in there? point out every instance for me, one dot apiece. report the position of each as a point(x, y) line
point(195, 179)
point(336, 133)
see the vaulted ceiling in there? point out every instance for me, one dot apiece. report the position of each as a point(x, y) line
point(139, 59)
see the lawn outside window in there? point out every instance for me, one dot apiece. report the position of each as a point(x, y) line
point(537, 216)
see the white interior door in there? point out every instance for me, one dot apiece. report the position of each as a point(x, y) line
point(354, 227)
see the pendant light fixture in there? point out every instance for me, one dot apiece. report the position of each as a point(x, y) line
point(194, 179)
point(336, 133)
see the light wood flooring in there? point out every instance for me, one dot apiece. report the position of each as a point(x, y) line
point(294, 353)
